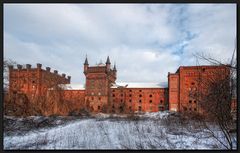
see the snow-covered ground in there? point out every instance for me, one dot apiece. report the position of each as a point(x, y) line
point(149, 131)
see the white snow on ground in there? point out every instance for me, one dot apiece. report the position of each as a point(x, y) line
point(113, 133)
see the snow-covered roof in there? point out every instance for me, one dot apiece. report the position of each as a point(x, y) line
point(139, 85)
point(73, 87)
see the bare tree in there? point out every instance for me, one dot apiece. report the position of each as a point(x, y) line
point(214, 95)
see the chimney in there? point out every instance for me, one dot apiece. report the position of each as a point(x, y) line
point(19, 66)
point(39, 65)
point(63, 75)
point(48, 69)
point(28, 66)
point(55, 72)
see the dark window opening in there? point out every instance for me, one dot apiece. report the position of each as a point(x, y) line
point(150, 95)
point(150, 101)
point(130, 90)
point(98, 107)
point(190, 101)
point(99, 98)
point(140, 95)
point(203, 69)
point(161, 101)
point(92, 98)
point(113, 95)
point(190, 109)
point(130, 107)
point(121, 95)
point(113, 106)
point(193, 83)
point(130, 100)
point(130, 95)
point(140, 101)
point(140, 90)
point(195, 109)
point(113, 90)
point(121, 109)
point(33, 81)
point(121, 100)
point(140, 108)
point(195, 101)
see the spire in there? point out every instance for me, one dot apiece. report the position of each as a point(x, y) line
point(108, 60)
point(114, 68)
point(86, 61)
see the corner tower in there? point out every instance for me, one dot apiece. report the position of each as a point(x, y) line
point(99, 79)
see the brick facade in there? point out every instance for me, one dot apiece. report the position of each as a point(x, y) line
point(102, 94)
point(187, 82)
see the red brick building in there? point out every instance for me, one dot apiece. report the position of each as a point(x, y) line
point(186, 84)
point(103, 94)
point(34, 81)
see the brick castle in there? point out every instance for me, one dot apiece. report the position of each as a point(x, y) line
point(102, 94)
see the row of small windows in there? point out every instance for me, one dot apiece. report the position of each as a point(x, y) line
point(150, 101)
point(129, 90)
point(130, 95)
point(190, 101)
point(160, 108)
point(190, 109)
point(99, 98)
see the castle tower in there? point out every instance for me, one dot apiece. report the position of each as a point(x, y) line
point(99, 79)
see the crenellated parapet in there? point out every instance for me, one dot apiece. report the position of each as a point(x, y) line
point(29, 68)
point(34, 80)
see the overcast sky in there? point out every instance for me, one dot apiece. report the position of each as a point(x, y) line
point(145, 41)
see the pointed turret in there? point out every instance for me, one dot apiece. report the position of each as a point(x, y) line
point(114, 67)
point(108, 60)
point(85, 65)
point(108, 63)
point(115, 70)
point(86, 61)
